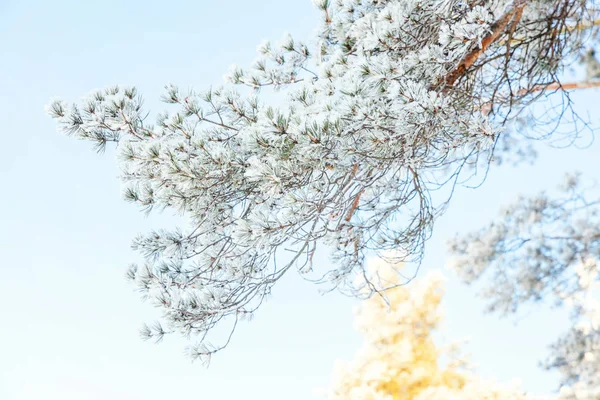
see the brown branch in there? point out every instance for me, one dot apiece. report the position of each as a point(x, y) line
point(356, 201)
point(354, 206)
point(487, 108)
point(561, 86)
point(496, 30)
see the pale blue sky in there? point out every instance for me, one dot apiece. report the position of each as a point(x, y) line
point(69, 320)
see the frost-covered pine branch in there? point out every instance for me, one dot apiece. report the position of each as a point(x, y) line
point(530, 251)
point(545, 248)
point(396, 102)
point(576, 354)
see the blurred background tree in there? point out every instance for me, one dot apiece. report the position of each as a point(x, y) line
point(401, 358)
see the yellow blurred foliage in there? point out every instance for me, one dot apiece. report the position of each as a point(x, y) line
point(400, 359)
